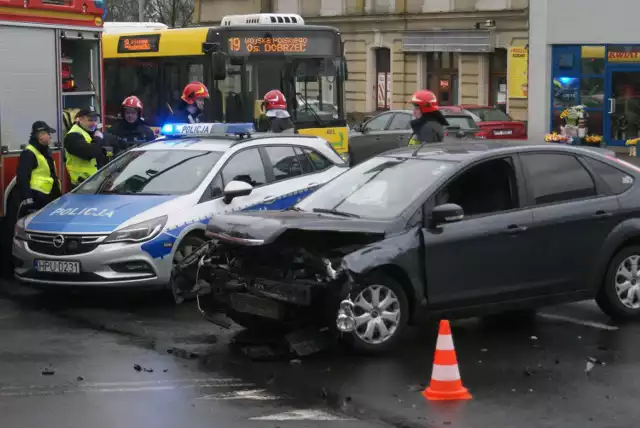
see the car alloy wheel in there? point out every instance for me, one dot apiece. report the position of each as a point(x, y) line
point(377, 314)
point(627, 282)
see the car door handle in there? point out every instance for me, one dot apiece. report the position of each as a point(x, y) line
point(602, 214)
point(514, 228)
point(378, 138)
point(401, 138)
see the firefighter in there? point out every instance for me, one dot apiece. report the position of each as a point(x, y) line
point(83, 147)
point(275, 106)
point(130, 128)
point(191, 104)
point(429, 122)
point(36, 176)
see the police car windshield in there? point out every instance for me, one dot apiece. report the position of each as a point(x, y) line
point(378, 188)
point(152, 172)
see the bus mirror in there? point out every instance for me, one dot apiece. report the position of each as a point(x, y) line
point(345, 69)
point(219, 66)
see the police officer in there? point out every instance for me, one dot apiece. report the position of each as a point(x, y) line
point(275, 106)
point(83, 147)
point(429, 122)
point(36, 176)
point(130, 128)
point(191, 104)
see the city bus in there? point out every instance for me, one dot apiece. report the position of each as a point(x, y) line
point(239, 61)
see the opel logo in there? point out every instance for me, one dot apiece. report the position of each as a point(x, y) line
point(58, 241)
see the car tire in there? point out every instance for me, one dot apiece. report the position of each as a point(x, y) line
point(386, 287)
point(612, 292)
point(188, 244)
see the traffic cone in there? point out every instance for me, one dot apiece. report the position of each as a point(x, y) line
point(445, 377)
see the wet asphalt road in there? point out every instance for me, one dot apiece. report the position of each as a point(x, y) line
point(567, 366)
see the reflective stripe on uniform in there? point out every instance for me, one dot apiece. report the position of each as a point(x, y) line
point(41, 179)
point(79, 168)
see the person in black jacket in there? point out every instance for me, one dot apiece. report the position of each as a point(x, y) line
point(130, 128)
point(84, 153)
point(429, 122)
point(191, 104)
point(275, 107)
point(36, 176)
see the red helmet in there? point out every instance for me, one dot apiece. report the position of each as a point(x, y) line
point(132, 102)
point(274, 99)
point(425, 100)
point(193, 91)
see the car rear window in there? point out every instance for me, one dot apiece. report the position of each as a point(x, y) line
point(617, 180)
point(490, 114)
point(462, 122)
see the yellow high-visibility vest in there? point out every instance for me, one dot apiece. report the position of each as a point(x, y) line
point(41, 179)
point(79, 168)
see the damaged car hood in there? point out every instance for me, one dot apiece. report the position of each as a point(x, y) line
point(265, 227)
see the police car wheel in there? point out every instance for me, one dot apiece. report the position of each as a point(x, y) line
point(189, 244)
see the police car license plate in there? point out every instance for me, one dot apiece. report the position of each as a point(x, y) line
point(57, 266)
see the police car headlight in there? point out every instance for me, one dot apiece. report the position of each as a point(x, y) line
point(139, 232)
point(19, 230)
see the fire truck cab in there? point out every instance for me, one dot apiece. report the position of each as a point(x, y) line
point(50, 66)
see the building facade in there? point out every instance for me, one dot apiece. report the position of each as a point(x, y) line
point(466, 51)
point(585, 52)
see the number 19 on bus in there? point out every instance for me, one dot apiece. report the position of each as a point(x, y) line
point(234, 44)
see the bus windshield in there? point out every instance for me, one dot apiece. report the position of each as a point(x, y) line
point(312, 87)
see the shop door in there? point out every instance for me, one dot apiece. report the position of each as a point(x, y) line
point(622, 120)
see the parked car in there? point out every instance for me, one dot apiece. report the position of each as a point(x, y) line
point(392, 129)
point(129, 223)
point(450, 229)
point(493, 121)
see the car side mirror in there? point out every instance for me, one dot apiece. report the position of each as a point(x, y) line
point(446, 213)
point(358, 127)
point(235, 189)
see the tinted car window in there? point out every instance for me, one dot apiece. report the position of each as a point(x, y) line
point(378, 123)
point(618, 181)
point(161, 172)
point(400, 122)
point(284, 161)
point(245, 166)
point(556, 178)
point(321, 163)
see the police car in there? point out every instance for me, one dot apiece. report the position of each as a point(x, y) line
point(147, 209)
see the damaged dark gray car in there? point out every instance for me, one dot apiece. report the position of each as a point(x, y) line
point(454, 228)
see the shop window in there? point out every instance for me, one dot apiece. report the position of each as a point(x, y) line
point(442, 76)
point(592, 92)
point(592, 60)
point(565, 91)
point(498, 81)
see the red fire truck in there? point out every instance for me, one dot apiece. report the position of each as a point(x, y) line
point(50, 66)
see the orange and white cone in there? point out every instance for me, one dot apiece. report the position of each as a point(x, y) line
point(445, 377)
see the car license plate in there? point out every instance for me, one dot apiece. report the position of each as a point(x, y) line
point(503, 132)
point(57, 266)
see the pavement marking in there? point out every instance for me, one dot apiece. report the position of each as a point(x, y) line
point(302, 415)
point(250, 394)
point(127, 383)
point(594, 324)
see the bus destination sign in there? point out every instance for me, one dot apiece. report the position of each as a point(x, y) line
point(139, 44)
point(253, 43)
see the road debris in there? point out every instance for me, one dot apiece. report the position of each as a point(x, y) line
point(48, 372)
point(591, 363)
point(137, 367)
point(79, 378)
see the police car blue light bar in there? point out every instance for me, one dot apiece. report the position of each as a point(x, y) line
point(206, 129)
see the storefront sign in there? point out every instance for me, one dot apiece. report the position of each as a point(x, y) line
point(518, 81)
point(629, 54)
